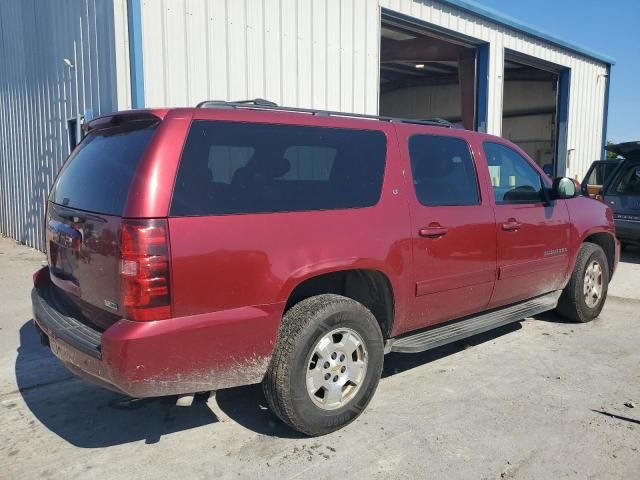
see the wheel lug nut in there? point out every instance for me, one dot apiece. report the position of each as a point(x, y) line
point(343, 369)
point(342, 357)
point(335, 379)
point(334, 355)
point(327, 376)
point(326, 365)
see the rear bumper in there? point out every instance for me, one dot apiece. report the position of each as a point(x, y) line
point(166, 357)
point(628, 231)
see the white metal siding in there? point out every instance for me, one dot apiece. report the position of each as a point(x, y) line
point(304, 53)
point(37, 97)
point(325, 54)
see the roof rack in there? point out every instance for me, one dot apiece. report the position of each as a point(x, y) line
point(262, 104)
point(257, 102)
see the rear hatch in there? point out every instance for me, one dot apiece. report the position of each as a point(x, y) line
point(83, 221)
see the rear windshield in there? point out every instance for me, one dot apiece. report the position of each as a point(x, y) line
point(233, 167)
point(98, 174)
point(628, 181)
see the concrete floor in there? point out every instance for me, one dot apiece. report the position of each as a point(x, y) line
point(537, 399)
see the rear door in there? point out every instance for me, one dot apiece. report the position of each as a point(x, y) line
point(532, 234)
point(84, 213)
point(453, 226)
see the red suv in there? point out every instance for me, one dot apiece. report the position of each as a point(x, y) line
point(203, 248)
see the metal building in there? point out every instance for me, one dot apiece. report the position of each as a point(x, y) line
point(451, 59)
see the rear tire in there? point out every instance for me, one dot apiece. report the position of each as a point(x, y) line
point(583, 298)
point(326, 364)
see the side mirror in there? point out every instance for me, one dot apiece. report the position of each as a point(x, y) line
point(563, 188)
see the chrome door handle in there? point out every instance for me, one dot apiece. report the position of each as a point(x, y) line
point(511, 226)
point(433, 232)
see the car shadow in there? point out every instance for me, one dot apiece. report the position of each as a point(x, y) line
point(553, 316)
point(248, 407)
point(395, 363)
point(89, 416)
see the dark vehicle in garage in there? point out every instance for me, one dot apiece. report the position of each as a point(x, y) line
point(203, 248)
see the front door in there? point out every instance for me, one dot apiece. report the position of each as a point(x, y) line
point(532, 233)
point(453, 237)
point(597, 176)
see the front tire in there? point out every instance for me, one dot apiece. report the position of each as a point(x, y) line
point(583, 298)
point(326, 364)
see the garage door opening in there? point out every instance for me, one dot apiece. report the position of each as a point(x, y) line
point(426, 75)
point(531, 111)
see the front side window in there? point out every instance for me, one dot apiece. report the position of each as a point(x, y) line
point(513, 178)
point(600, 173)
point(443, 171)
point(238, 167)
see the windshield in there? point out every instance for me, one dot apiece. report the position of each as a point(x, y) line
point(98, 174)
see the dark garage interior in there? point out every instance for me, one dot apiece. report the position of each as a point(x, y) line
point(530, 107)
point(425, 75)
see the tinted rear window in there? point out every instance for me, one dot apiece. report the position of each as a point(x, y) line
point(233, 167)
point(628, 182)
point(98, 174)
point(443, 171)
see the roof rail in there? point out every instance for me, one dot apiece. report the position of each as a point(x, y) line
point(262, 104)
point(258, 102)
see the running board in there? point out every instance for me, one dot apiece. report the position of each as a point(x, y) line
point(459, 329)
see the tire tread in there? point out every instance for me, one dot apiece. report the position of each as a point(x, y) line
point(570, 304)
point(294, 325)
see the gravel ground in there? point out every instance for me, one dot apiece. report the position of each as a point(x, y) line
point(536, 399)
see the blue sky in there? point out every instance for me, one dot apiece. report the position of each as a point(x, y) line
point(610, 28)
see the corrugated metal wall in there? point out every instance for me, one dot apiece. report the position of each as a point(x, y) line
point(325, 54)
point(304, 53)
point(37, 96)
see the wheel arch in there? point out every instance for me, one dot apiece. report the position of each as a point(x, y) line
point(367, 285)
point(607, 242)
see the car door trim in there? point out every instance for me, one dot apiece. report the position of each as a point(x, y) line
point(533, 266)
point(451, 282)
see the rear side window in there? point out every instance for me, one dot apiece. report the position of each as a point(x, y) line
point(99, 172)
point(237, 167)
point(443, 171)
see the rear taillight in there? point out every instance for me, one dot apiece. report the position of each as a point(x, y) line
point(144, 269)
